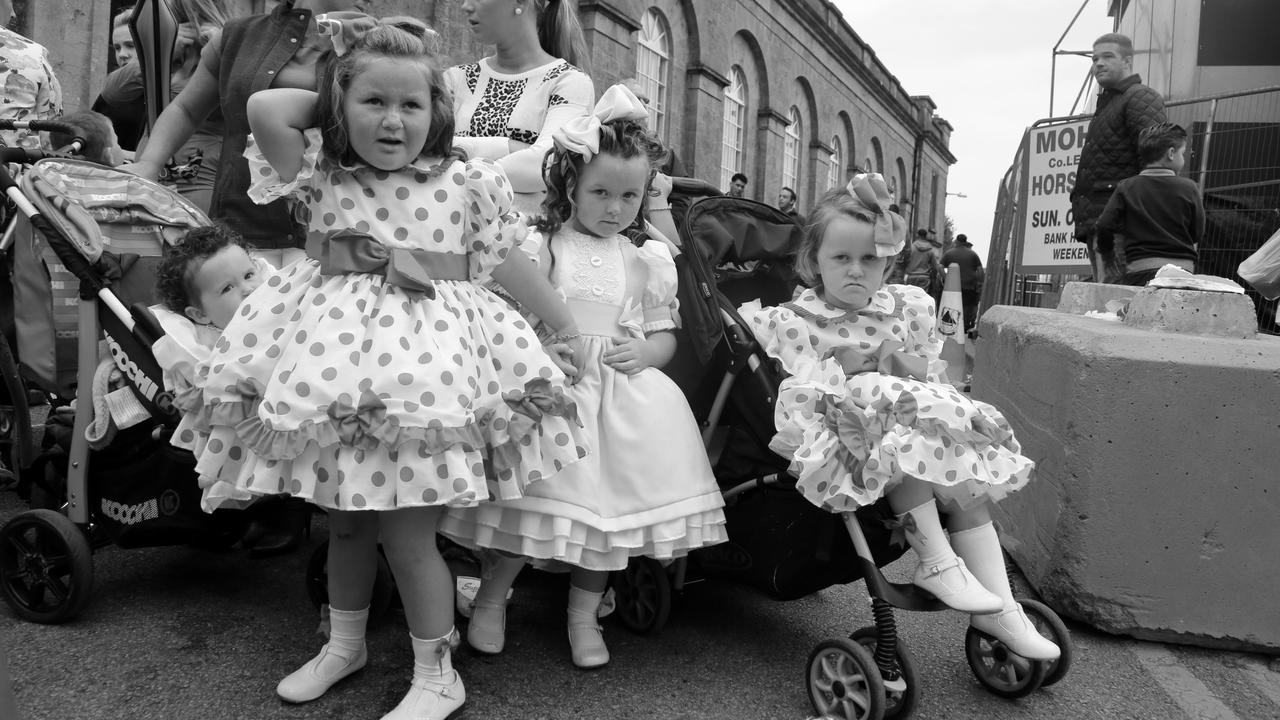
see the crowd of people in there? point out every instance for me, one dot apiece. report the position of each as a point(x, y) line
point(489, 249)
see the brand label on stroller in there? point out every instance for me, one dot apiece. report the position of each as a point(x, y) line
point(131, 514)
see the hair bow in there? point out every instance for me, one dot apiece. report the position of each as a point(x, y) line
point(582, 134)
point(869, 191)
point(344, 29)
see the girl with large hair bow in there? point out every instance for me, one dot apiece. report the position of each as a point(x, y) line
point(866, 411)
point(646, 488)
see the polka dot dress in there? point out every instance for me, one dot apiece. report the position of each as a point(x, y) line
point(850, 439)
point(356, 394)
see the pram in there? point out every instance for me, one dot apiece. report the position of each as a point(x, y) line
point(780, 543)
point(82, 249)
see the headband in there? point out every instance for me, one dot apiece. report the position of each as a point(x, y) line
point(345, 28)
point(890, 232)
point(582, 134)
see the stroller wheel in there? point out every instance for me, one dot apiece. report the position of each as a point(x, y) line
point(644, 595)
point(1051, 626)
point(999, 669)
point(844, 682)
point(897, 703)
point(384, 586)
point(46, 566)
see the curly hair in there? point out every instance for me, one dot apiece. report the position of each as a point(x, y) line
point(177, 269)
point(402, 40)
point(624, 139)
point(835, 203)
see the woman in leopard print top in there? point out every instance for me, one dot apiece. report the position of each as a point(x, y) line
point(507, 105)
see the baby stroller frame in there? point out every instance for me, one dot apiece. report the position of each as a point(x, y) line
point(46, 571)
point(871, 673)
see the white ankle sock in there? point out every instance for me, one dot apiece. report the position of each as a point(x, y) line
point(584, 606)
point(979, 547)
point(431, 658)
point(928, 538)
point(346, 636)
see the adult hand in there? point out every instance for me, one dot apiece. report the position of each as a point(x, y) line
point(660, 190)
point(188, 35)
point(147, 170)
point(628, 355)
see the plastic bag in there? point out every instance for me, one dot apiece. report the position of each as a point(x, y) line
point(1262, 269)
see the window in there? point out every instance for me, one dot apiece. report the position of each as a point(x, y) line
point(933, 201)
point(653, 63)
point(835, 164)
point(735, 126)
point(879, 156)
point(791, 151)
point(903, 187)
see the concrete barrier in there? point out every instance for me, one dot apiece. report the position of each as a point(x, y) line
point(1155, 510)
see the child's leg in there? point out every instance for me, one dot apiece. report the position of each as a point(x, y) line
point(974, 539)
point(940, 571)
point(586, 641)
point(426, 590)
point(353, 555)
point(488, 627)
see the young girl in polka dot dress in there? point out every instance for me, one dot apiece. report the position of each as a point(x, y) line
point(866, 412)
point(377, 378)
point(647, 488)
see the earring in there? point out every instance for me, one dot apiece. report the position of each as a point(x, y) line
point(519, 10)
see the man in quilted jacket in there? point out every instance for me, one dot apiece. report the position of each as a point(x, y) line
point(1125, 108)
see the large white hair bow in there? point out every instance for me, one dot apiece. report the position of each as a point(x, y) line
point(582, 134)
point(870, 191)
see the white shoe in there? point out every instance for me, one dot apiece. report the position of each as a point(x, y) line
point(306, 683)
point(487, 631)
point(1013, 628)
point(430, 699)
point(952, 583)
point(586, 644)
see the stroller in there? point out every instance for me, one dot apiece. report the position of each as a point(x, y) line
point(82, 250)
point(779, 543)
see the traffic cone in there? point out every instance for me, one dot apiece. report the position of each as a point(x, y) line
point(951, 326)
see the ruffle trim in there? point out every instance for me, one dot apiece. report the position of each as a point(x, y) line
point(545, 537)
point(267, 184)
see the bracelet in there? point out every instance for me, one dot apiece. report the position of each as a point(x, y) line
point(563, 337)
point(658, 209)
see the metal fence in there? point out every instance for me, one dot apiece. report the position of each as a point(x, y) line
point(1233, 154)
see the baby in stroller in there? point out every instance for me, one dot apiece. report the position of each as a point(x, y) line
point(866, 412)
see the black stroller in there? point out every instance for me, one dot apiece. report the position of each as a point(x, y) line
point(736, 250)
point(80, 254)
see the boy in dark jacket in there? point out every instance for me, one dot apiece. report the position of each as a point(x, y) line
point(1159, 215)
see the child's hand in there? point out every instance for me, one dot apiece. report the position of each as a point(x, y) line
point(628, 355)
point(854, 362)
point(569, 357)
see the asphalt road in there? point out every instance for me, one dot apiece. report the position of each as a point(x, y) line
point(183, 633)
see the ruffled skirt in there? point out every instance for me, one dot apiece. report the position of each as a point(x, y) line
point(645, 489)
point(354, 394)
point(849, 445)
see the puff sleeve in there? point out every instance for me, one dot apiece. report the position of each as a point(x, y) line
point(658, 301)
point(786, 337)
point(265, 184)
point(490, 228)
point(921, 320)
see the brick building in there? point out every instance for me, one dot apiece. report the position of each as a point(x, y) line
point(783, 91)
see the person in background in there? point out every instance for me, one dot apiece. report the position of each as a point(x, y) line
point(122, 97)
point(1159, 214)
point(737, 185)
point(787, 204)
point(971, 278)
point(28, 88)
point(919, 265)
point(507, 105)
point(1110, 154)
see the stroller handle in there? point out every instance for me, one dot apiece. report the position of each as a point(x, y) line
point(39, 126)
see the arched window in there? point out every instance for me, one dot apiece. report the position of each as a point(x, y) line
point(879, 156)
point(653, 65)
point(903, 187)
point(735, 126)
point(835, 164)
point(791, 151)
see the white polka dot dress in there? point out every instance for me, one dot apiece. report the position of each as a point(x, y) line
point(647, 487)
point(850, 438)
point(357, 394)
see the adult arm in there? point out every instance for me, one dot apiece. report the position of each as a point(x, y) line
point(1111, 220)
point(524, 167)
point(181, 117)
point(49, 94)
point(277, 118)
point(1144, 109)
point(124, 85)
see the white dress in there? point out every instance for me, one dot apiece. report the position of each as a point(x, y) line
point(850, 438)
point(354, 393)
point(491, 109)
point(646, 488)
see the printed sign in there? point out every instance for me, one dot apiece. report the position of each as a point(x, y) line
point(1046, 229)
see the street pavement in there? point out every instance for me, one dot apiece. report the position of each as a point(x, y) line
point(183, 633)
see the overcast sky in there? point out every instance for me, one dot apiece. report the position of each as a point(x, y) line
point(986, 64)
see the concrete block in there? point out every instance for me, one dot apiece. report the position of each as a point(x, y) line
point(1154, 509)
point(1079, 298)
point(1193, 311)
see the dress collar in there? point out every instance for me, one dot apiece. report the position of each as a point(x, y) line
point(881, 303)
